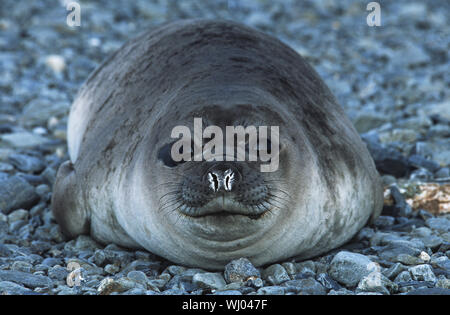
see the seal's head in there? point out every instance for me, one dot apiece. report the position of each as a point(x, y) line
point(223, 208)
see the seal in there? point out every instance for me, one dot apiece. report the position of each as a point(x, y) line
point(122, 184)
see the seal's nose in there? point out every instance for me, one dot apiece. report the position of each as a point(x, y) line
point(222, 177)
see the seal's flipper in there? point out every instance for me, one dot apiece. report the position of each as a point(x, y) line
point(72, 218)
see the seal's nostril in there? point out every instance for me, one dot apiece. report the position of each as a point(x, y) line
point(229, 179)
point(214, 181)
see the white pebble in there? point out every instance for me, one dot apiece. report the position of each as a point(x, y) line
point(424, 256)
point(56, 63)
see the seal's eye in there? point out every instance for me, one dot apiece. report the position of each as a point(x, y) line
point(164, 154)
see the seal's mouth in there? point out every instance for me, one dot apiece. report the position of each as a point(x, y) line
point(222, 206)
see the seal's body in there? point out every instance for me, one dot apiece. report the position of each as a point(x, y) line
point(122, 186)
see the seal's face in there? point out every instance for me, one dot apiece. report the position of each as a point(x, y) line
point(221, 199)
point(221, 209)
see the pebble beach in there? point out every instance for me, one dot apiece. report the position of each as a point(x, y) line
point(392, 81)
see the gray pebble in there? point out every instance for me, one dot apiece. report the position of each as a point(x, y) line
point(443, 173)
point(349, 268)
point(271, 290)
point(176, 270)
point(240, 270)
point(11, 288)
point(275, 274)
point(209, 280)
point(16, 193)
point(58, 273)
point(439, 224)
point(25, 279)
point(24, 139)
point(27, 163)
point(307, 286)
point(138, 276)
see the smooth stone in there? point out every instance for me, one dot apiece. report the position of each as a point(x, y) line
point(138, 276)
point(16, 193)
point(38, 111)
point(27, 163)
point(240, 270)
point(443, 173)
point(349, 268)
point(232, 286)
point(28, 280)
point(307, 286)
point(42, 190)
point(366, 121)
point(271, 290)
point(400, 253)
point(24, 139)
point(209, 280)
point(58, 273)
point(420, 161)
point(440, 224)
point(275, 274)
point(176, 270)
point(11, 288)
